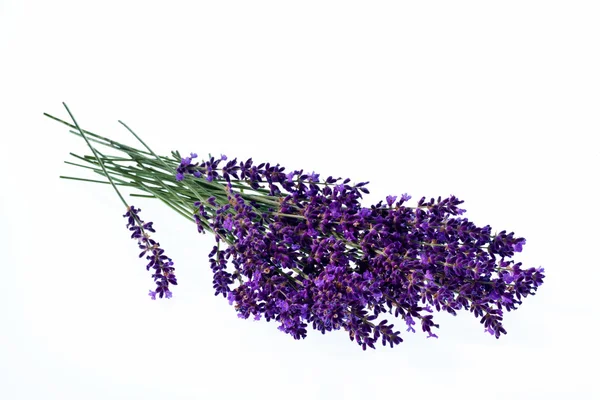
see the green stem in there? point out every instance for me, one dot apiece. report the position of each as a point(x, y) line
point(96, 155)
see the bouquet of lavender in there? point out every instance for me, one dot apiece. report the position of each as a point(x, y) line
point(300, 249)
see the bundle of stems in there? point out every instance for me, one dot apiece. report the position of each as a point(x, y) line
point(152, 174)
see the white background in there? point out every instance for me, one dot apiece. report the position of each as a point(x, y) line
point(494, 102)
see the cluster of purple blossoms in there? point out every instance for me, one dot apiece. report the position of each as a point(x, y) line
point(303, 251)
point(161, 264)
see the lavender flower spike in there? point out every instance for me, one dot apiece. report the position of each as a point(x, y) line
point(163, 266)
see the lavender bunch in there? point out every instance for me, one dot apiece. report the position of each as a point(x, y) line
point(301, 250)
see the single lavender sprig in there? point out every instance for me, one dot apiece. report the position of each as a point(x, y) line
point(163, 266)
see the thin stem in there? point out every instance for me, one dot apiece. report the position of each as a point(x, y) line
point(142, 142)
point(96, 155)
point(95, 181)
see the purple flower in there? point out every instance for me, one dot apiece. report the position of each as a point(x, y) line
point(409, 323)
point(428, 276)
point(290, 176)
point(518, 247)
point(507, 277)
point(228, 223)
point(364, 213)
point(283, 305)
point(231, 297)
point(390, 200)
point(186, 167)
